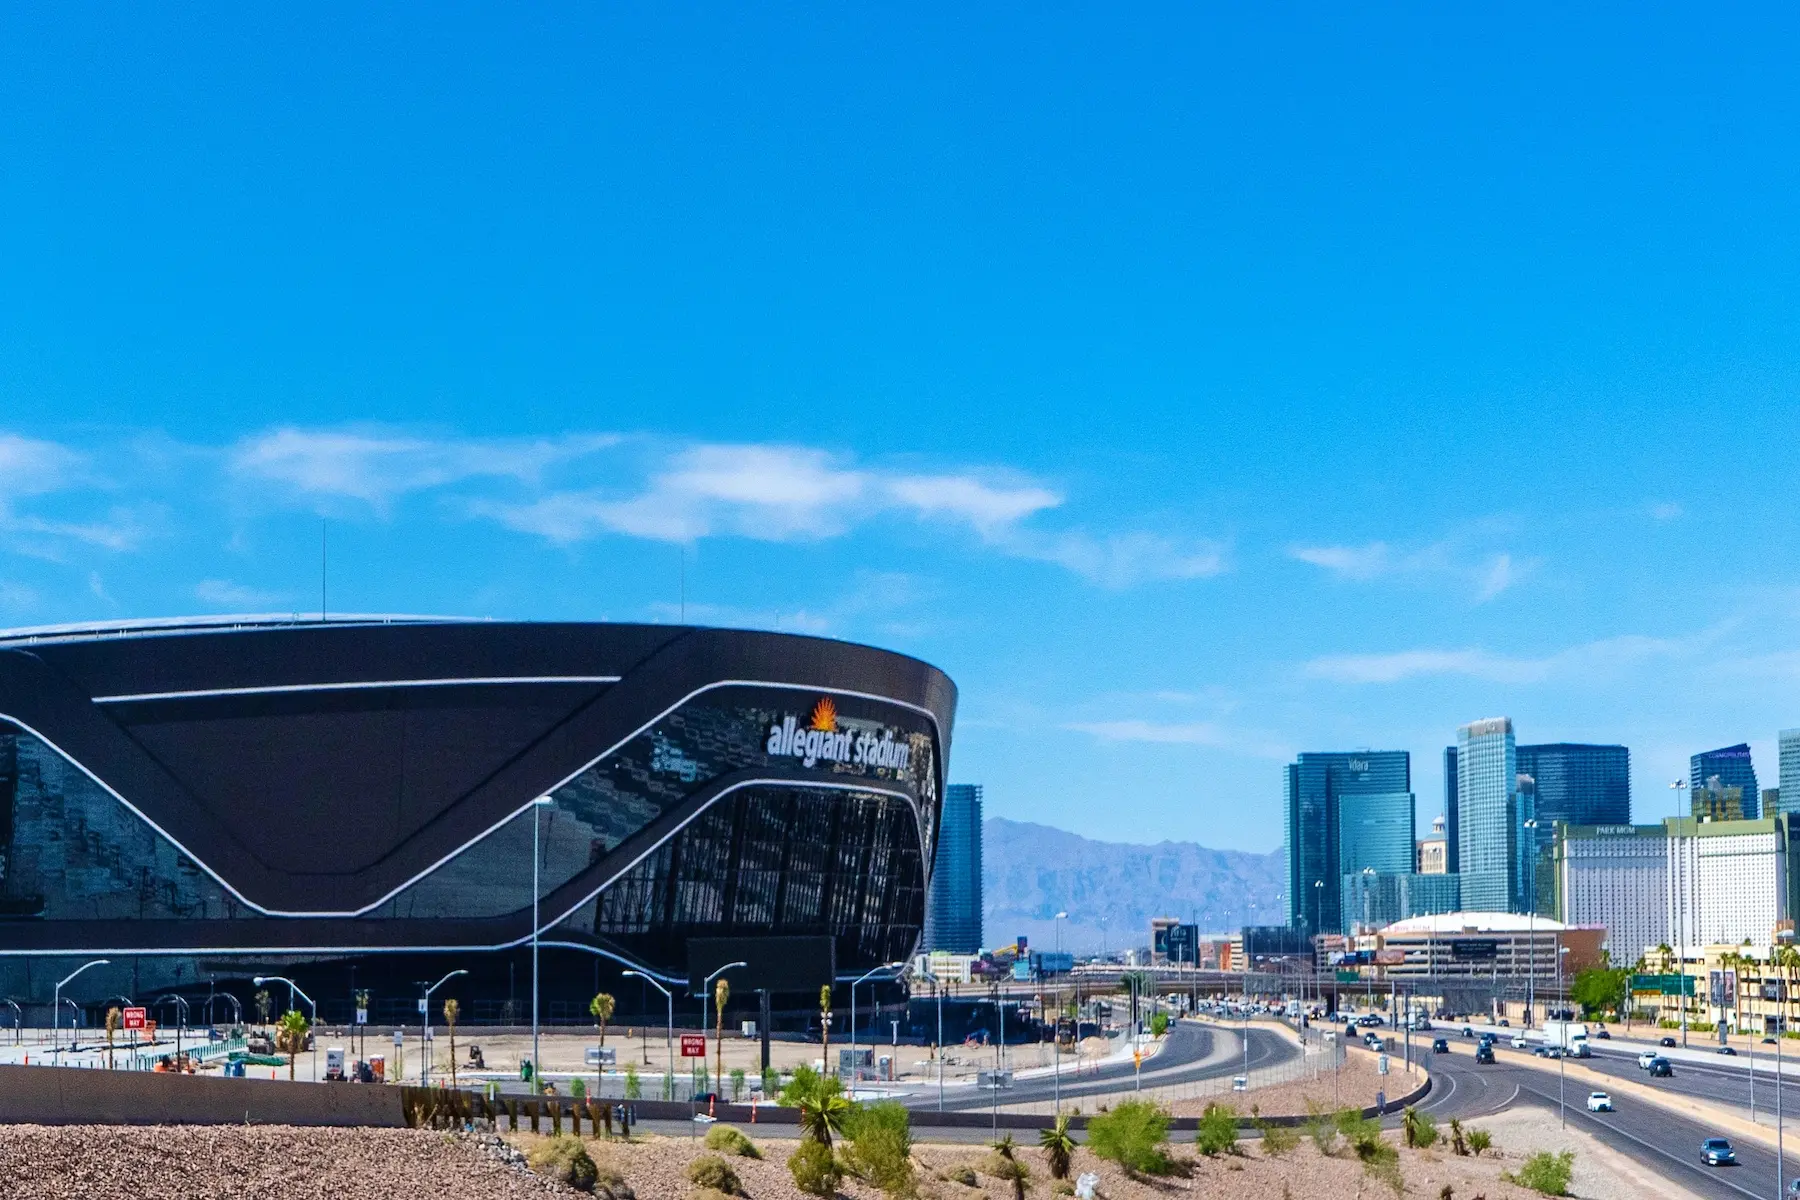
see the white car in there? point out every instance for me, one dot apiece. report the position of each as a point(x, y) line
point(1599, 1102)
point(1519, 1042)
point(1645, 1059)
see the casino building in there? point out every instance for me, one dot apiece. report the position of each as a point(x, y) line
point(367, 802)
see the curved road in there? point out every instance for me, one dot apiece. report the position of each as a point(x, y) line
point(1187, 1056)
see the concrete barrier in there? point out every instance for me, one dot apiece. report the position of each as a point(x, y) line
point(65, 1096)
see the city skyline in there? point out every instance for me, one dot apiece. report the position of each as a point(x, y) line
point(1135, 374)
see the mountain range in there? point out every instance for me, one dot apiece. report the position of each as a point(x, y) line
point(1111, 890)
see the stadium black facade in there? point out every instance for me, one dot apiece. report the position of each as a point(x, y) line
point(356, 803)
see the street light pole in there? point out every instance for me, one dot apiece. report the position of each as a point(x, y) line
point(1531, 941)
point(537, 806)
point(294, 990)
point(937, 989)
point(705, 991)
point(56, 1004)
point(871, 971)
point(1678, 887)
point(670, 997)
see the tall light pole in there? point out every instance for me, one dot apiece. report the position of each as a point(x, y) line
point(866, 974)
point(56, 1003)
point(705, 991)
point(998, 1001)
point(294, 990)
point(537, 807)
point(1679, 887)
point(1531, 938)
point(937, 990)
point(670, 997)
point(1055, 1028)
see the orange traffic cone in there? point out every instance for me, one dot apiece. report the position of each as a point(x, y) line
point(712, 1106)
point(753, 1112)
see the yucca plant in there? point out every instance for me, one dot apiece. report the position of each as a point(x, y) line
point(114, 1018)
point(1059, 1147)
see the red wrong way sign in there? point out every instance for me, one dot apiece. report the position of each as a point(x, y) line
point(693, 1045)
point(134, 1017)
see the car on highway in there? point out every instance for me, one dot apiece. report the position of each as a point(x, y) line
point(1599, 1102)
point(1440, 1046)
point(1484, 1054)
point(1468, 1031)
point(1661, 1068)
point(1727, 1050)
point(1666, 1041)
point(1600, 1035)
point(1519, 1042)
point(1548, 1052)
point(1646, 1058)
point(1505, 1024)
point(1717, 1152)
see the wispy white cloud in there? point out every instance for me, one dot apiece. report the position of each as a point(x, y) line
point(1124, 559)
point(1666, 511)
point(31, 467)
point(1588, 659)
point(376, 466)
point(222, 593)
point(1487, 575)
point(1184, 733)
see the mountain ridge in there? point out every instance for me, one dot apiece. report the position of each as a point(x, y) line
point(1111, 890)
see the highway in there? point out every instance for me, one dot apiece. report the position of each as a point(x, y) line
point(1648, 1133)
point(1188, 1055)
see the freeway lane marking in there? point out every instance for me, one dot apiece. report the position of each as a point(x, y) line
point(1712, 1175)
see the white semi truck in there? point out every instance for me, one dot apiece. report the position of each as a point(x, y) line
point(1572, 1036)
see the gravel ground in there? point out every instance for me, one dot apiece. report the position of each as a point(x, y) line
point(265, 1162)
point(656, 1168)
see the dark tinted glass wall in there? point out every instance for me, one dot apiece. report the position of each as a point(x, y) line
point(1579, 784)
point(953, 909)
point(1344, 812)
point(1733, 767)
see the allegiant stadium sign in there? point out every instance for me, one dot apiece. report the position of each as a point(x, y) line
point(820, 740)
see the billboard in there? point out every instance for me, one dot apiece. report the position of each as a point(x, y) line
point(779, 964)
point(1721, 988)
point(1474, 950)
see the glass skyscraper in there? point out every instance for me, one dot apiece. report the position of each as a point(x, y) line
point(953, 906)
point(1346, 812)
point(1488, 816)
point(1452, 860)
point(1733, 767)
point(1573, 783)
point(1788, 796)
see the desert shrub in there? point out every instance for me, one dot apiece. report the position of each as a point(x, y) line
point(729, 1139)
point(880, 1149)
point(1133, 1135)
point(707, 1193)
point(737, 1084)
point(1418, 1127)
point(634, 1087)
point(711, 1171)
point(1457, 1142)
point(1218, 1130)
point(1363, 1133)
point(1159, 1024)
point(1546, 1173)
point(962, 1175)
point(1062, 1187)
point(610, 1185)
point(1321, 1127)
point(565, 1160)
point(814, 1169)
point(1480, 1141)
point(1277, 1140)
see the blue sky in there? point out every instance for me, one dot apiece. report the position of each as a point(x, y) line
point(1194, 389)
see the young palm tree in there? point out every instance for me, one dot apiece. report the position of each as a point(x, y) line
point(114, 1018)
point(601, 1009)
point(452, 1010)
point(823, 1106)
point(825, 1026)
point(290, 1036)
point(263, 1007)
point(721, 993)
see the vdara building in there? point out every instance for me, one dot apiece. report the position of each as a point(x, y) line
point(366, 803)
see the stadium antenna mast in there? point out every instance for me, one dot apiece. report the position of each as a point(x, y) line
point(321, 570)
point(684, 585)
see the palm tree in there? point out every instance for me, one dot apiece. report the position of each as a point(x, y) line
point(263, 1007)
point(290, 1036)
point(823, 1106)
point(721, 993)
point(114, 1018)
point(825, 1027)
point(1059, 1147)
point(601, 1008)
point(453, 1010)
